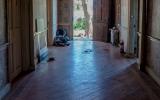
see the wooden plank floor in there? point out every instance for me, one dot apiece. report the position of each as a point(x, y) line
point(86, 71)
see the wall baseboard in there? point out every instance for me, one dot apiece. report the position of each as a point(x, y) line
point(4, 91)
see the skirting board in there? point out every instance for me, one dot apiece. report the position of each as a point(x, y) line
point(153, 75)
point(5, 91)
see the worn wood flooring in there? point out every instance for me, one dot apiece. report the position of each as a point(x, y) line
point(86, 71)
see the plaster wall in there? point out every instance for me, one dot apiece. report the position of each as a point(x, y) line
point(153, 39)
point(40, 29)
point(124, 26)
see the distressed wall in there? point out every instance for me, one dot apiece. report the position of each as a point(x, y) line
point(40, 29)
point(124, 28)
point(152, 52)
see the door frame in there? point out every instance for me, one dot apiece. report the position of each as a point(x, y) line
point(49, 22)
point(141, 35)
point(51, 33)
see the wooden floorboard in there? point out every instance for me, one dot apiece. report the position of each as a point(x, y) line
point(86, 71)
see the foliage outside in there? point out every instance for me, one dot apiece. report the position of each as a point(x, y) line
point(80, 24)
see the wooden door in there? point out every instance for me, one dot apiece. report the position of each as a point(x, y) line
point(65, 16)
point(100, 20)
point(14, 29)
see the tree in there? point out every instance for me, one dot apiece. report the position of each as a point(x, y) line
point(87, 17)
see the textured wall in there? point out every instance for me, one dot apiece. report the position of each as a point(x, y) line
point(153, 55)
point(153, 38)
point(154, 19)
point(125, 22)
point(40, 27)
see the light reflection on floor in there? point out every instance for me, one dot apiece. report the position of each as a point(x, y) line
point(81, 71)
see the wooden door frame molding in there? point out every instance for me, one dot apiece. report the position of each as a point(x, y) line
point(49, 22)
point(31, 36)
point(144, 26)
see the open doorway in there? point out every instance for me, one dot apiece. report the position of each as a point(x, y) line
point(82, 19)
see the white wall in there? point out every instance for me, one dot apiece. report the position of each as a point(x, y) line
point(54, 21)
point(125, 22)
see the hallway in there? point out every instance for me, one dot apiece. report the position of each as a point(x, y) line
point(86, 70)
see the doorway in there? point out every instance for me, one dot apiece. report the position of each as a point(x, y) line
point(100, 17)
point(82, 19)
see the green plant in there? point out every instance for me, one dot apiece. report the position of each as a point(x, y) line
point(78, 7)
point(80, 24)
